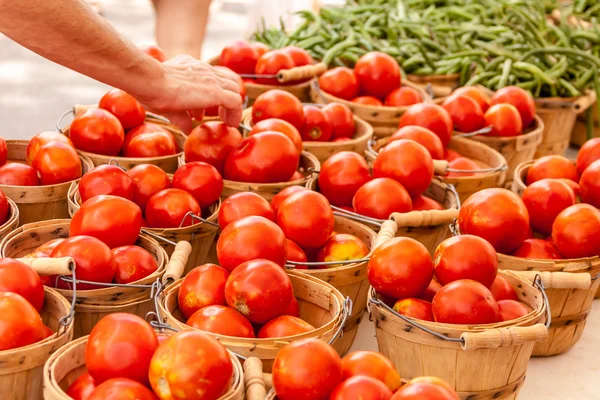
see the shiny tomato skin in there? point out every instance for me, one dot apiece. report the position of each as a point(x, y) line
point(361, 388)
point(545, 199)
point(537, 249)
point(498, 216)
point(465, 112)
point(367, 101)
point(97, 131)
point(143, 128)
point(148, 180)
point(402, 97)
point(259, 289)
point(41, 139)
point(407, 162)
point(552, 166)
point(4, 151)
point(201, 180)
point(504, 120)
point(340, 82)
point(283, 326)
point(424, 137)
point(576, 231)
point(300, 56)
point(450, 155)
point(4, 208)
point(422, 203)
point(203, 286)
point(429, 388)
point(378, 74)
point(20, 323)
point(293, 309)
point(465, 302)
point(295, 253)
point(462, 164)
point(240, 57)
point(251, 238)
point(342, 120)
point(82, 387)
point(588, 153)
point(270, 64)
point(414, 308)
point(317, 127)
point(590, 184)
point(211, 143)
point(18, 278)
point(400, 268)
point(306, 369)
point(244, 204)
point(519, 98)
point(280, 104)
point(316, 226)
point(16, 174)
point(510, 309)
point(106, 179)
point(133, 263)
point(284, 194)
point(121, 389)
point(502, 290)
point(373, 365)
point(342, 247)
point(155, 52)
point(260, 48)
point(476, 94)
point(380, 198)
point(154, 144)
point(169, 208)
point(281, 126)
point(124, 106)
point(57, 163)
point(341, 176)
point(430, 116)
point(176, 371)
point(114, 220)
point(221, 320)
point(431, 291)
point(46, 249)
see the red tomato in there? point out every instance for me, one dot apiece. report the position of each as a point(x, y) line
point(41, 139)
point(251, 238)
point(121, 389)
point(283, 326)
point(114, 220)
point(4, 208)
point(176, 370)
point(378, 74)
point(341, 176)
point(520, 99)
point(154, 144)
point(342, 120)
point(430, 116)
point(146, 127)
point(414, 308)
point(545, 199)
point(281, 126)
point(452, 263)
point(306, 369)
point(97, 131)
point(18, 278)
point(450, 155)
point(404, 96)
point(221, 320)
point(552, 167)
point(407, 162)
point(133, 263)
point(315, 227)
point(576, 231)
point(342, 247)
point(424, 137)
point(361, 388)
point(340, 82)
point(373, 365)
point(82, 387)
point(244, 204)
point(426, 388)
point(278, 104)
point(4, 151)
point(431, 291)
point(201, 180)
point(106, 179)
point(211, 143)
point(57, 163)
point(169, 208)
point(510, 309)
point(298, 55)
point(380, 198)
point(317, 127)
point(502, 290)
point(588, 153)
point(20, 323)
point(255, 161)
point(590, 184)
point(573, 185)
point(476, 94)
point(295, 253)
point(497, 215)
point(368, 101)
point(148, 180)
point(154, 52)
point(270, 64)
point(259, 289)
point(504, 120)
point(400, 268)
point(538, 249)
point(465, 112)
point(261, 48)
point(293, 309)
point(422, 203)
point(46, 249)
point(214, 111)
point(462, 164)
point(284, 194)
point(240, 57)
point(204, 286)
point(16, 174)
point(465, 302)
point(124, 106)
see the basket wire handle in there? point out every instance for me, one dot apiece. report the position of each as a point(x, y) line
point(196, 217)
point(60, 119)
point(483, 131)
point(355, 216)
point(67, 320)
point(346, 311)
point(153, 317)
point(537, 282)
point(317, 88)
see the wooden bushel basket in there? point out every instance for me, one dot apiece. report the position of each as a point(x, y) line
point(39, 203)
point(441, 85)
point(12, 222)
point(482, 362)
point(21, 374)
point(68, 363)
point(321, 305)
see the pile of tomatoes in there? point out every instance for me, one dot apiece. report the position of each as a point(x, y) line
point(375, 81)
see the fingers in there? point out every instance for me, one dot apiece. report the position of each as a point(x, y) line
point(229, 85)
point(231, 117)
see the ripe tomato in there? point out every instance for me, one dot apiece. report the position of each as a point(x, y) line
point(214, 111)
point(590, 184)
point(342, 120)
point(259, 289)
point(341, 176)
point(121, 389)
point(169, 208)
point(316, 225)
point(255, 161)
point(283, 326)
point(260, 48)
point(342, 247)
point(573, 185)
point(154, 52)
point(211, 143)
point(284, 194)
point(296, 177)
point(465, 302)
point(407, 162)
point(361, 387)
point(114, 220)
point(124, 106)
point(340, 82)
point(176, 371)
point(16, 174)
point(4, 208)
point(502, 290)
point(221, 320)
point(510, 309)
point(45, 250)
point(424, 137)
point(204, 286)
point(414, 308)
point(143, 128)
point(82, 387)
point(278, 104)
point(504, 120)
point(426, 388)
point(422, 203)
point(57, 163)
point(404, 96)
point(20, 323)
point(201, 180)
point(154, 144)
point(463, 164)
point(293, 309)
point(450, 155)
point(317, 127)
point(97, 131)
point(298, 55)
point(373, 365)
point(251, 238)
point(476, 94)
point(431, 291)
point(240, 57)
point(497, 215)
point(123, 337)
point(545, 199)
point(18, 278)
point(378, 74)
point(552, 167)
point(133, 263)
point(576, 231)
point(465, 112)
point(537, 248)
point(244, 204)
point(148, 180)
point(368, 101)
point(4, 151)
point(306, 369)
point(106, 179)
point(295, 253)
point(588, 153)
point(270, 64)
point(41, 139)
point(430, 116)
point(521, 99)
point(400, 268)
point(380, 198)
point(281, 126)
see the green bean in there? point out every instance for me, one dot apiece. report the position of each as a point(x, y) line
point(475, 79)
point(534, 70)
point(582, 81)
point(571, 90)
point(506, 68)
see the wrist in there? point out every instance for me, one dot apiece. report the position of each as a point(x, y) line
point(147, 81)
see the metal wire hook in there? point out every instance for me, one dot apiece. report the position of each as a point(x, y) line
point(59, 122)
point(196, 217)
point(68, 319)
point(346, 311)
point(537, 281)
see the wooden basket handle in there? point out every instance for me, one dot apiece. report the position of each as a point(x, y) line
point(388, 231)
point(253, 379)
point(301, 73)
point(440, 167)
point(268, 380)
point(503, 337)
point(50, 266)
point(559, 280)
point(79, 108)
point(425, 218)
point(177, 262)
point(584, 102)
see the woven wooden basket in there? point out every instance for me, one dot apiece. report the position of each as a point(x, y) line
point(441, 85)
point(68, 363)
point(21, 373)
point(12, 222)
point(321, 305)
point(39, 203)
point(482, 362)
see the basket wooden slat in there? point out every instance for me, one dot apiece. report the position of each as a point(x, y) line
point(441, 85)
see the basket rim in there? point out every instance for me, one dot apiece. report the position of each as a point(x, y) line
point(534, 131)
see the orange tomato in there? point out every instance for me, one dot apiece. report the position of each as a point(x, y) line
point(221, 320)
point(148, 180)
point(133, 263)
point(16, 174)
point(154, 52)
point(451, 155)
point(20, 323)
point(545, 199)
point(203, 286)
point(368, 101)
point(152, 144)
point(298, 55)
point(124, 106)
point(576, 231)
point(414, 308)
point(295, 253)
point(242, 205)
point(18, 278)
point(106, 179)
point(293, 309)
point(340, 82)
point(552, 167)
point(4, 208)
point(502, 290)
point(504, 120)
point(519, 98)
point(97, 131)
point(41, 139)
point(121, 389)
point(271, 63)
point(590, 184)
point(431, 291)
point(424, 137)
point(82, 387)
point(240, 57)
point(316, 225)
point(361, 387)
point(588, 153)
point(373, 365)
point(426, 388)
point(283, 326)
point(141, 129)
point(211, 143)
point(421, 203)
point(380, 198)
point(430, 116)
point(466, 113)
point(57, 162)
point(465, 302)
point(403, 96)
point(341, 176)
point(281, 126)
point(3, 151)
point(378, 74)
point(476, 94)
point(463, 164)
point(169, 208)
